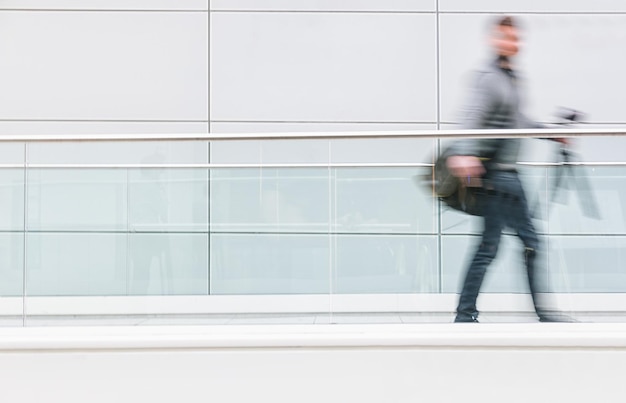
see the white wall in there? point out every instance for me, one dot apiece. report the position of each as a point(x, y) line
point(104, 66)
point(388, 363)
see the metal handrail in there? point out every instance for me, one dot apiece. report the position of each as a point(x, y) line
point(511, 133)
point(289, 165)
point(409, 134)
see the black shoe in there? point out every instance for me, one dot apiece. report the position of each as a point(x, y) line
point(556, 318)
point(465, 319)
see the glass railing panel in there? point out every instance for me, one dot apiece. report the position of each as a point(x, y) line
point(244, 264)
point(116, 264)
point(168, 199)
point(383, 200)
point(11, 264)
point(143, 152)
point(333, 220)
point(168, 264)
point(587, 264)
point(385, 263)
point(276, 151)
point(383, 151)
point(12, 199)
point(603, 149)
point(12, 179)
point(111, 223)
point(13, 153)
point(270, 200)
point(76, 264)
point(77, 199)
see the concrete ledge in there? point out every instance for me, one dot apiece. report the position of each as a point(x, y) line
point(304, 303)
point(522, 335)
point(513, 363)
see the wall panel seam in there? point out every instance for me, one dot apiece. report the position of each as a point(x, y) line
point(100, 10)
point(327, 122)
point(431, 12)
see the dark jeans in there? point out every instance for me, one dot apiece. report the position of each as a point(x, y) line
point(505, 206)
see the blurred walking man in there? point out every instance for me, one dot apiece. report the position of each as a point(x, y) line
point(495, 104)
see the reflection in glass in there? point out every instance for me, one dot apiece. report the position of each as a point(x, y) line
point(270, 200)
point(587, 264)
point(100, 264)
point(270, 264)
point(11, 264)
point(168, 200)
point(168, 264)
point(77, 199)
point(385, 264)
point(76, 264)
point(11, 199)
point(382, 201)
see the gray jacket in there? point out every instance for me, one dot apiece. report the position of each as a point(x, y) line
point(494, 103)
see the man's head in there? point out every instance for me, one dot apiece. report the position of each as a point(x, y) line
point(505, 38)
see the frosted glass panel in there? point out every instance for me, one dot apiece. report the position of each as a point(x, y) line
point(77, 199)
point(76, 264)
point(385, 264)
point(270, 200)
point(270, 264)
point(168, 264)
point(11, 153)
point(383, 200)
point(11, 264)
point(385, 150)
point(272, 152)
point(112, 152)
point(12, 199)
point(588, 264)
point(117, 264)
point(164, 199)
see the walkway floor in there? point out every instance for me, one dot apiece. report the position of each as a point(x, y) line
point(285, 319)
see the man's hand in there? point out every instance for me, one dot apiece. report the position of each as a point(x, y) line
point(467, 168)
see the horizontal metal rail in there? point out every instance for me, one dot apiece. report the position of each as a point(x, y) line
point(413, 134)
point(512, 133)
point(285, 165)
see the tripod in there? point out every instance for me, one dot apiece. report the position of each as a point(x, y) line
point(565, 172)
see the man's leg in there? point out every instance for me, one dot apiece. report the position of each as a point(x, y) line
point(486, 252)
point(541, 308)
point(522, 223)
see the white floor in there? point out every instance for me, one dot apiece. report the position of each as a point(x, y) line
point(286, 319)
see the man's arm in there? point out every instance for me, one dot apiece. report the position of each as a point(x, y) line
point(465, 162)
point(480, 102)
